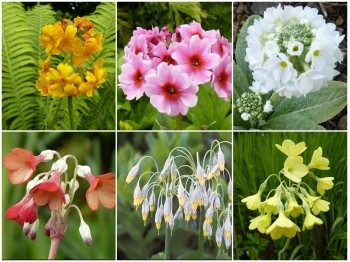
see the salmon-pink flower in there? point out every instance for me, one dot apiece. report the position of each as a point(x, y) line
point(132, 78)
point(101, 191)
point(49, 193)
point(22, 164)
point(195, 59)
point(171, 91)
point(23, 211)
point(222, 78)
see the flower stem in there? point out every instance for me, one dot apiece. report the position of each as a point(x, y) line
point(53, 249)
point(283, 249)
point(200, 236)
point(71, 113)
point(167, 243)
point(178, 122)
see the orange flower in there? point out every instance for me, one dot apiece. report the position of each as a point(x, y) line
point(23, 211)
point(102, 190)
point(94, 79)
point(22, 164)
point(49, 193)
point(92, 45)
point(69, 41)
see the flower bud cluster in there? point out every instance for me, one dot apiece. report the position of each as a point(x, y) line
point(291, 199)
point(186, 191)
point(292, 50)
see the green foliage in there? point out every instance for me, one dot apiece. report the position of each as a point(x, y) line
point(255, 158)
point(145, 241)
point(22, 105)
point(94, 149)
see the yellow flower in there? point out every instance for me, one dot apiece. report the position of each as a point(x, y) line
point(270, 205)
point(320, 205)
point(324, 184)
point(42, 85)
point(69, 41)
point(319, 162)
point(294, 169)
point(253, 202)
point(293, 208)
point(94, 78)
point(51, 38)
point(262, 222)
point(62, 81)
point(92, 45)
point(290, 148)
point(310, 221)
point(283, 226)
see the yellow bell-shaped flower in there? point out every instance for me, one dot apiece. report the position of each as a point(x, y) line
point(253, 202)
point(283, 226)
point(290, 148)
point(293, 208)
point(294, 169)
point(320, 205)
point(311, 220)
point(270, 205)
point(319, 162)
point(324, 184)
point(262, 222)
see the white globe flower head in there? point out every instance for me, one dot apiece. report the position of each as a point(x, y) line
point(292, 51)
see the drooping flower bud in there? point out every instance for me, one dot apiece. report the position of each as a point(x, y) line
point(85, 233)
point(26, 228)
point(215, 171)
point(152, 201)
point(60, 165)
point(181, 194)
point(229, 190)
point(47, 155)
point(83, 171)
point(133, 173)
point(218, 236)
point(145, 210)
point(34, 229)
point(47, 227)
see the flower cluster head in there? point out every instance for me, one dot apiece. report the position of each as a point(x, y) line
point(52, 189)
point(292, 198)
point(169, 67)
point(185, 188)
point(78, 43)
point(292, 51)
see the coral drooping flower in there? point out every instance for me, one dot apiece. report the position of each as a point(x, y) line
point(196, 59)
point(170, 90)
point(132, 78)
point(222, 78)
point(23, 211)
point(49, 193)
point(101, 191)
point(22, 164)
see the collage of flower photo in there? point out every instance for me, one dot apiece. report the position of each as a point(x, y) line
point(174, 130)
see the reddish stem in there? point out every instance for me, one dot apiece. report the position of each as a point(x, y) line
point(54, 246)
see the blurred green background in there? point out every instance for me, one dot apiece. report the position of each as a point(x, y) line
point(136, 241)
point(96, 150)
point(255, 158)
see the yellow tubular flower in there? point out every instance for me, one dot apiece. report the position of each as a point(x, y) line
point(262, 222)
point(319, 162)
point(324, 184)
point(283, 226)
point(293, 208)
point(294, 169)
point(290, 148)
point(51, 38)
point(310, 221)
point(320, 205)
point(270, 205)
point(62, 81)
point(253, 202)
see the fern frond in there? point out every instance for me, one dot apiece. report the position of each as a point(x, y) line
point(98, 111)
point(104, 21)
point(18, 69)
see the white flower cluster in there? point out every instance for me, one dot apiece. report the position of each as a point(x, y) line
point(180, 191)
point(292, 51)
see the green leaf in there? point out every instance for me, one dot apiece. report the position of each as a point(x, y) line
point(336, 222)
point(240, 82)
point(295, 251)
point(241, 48)
point(305, 113)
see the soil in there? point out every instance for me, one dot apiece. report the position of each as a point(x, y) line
point(332, 12)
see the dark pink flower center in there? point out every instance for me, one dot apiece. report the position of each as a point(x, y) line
point(169, 60)
point(196, 62)
point(170, 91)
point(222, 78)
point(138, 78)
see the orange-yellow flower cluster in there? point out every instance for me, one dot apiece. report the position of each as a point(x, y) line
point(79, 43)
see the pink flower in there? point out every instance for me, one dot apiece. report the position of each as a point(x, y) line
point(22, 165)
point(187, 31)
point(162, 54)
point(133, 76)
point(221, 46)
point(138, 44)
point(222, 78)
point(171, 91)
point(49, 192)
point(195, 59)
point(23, 211)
